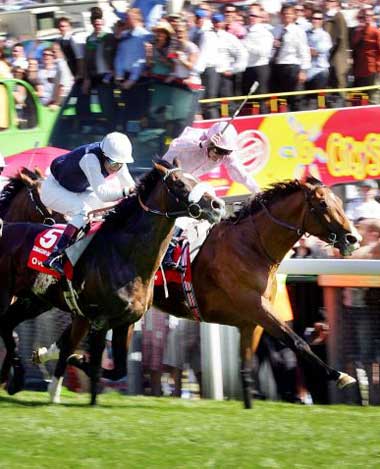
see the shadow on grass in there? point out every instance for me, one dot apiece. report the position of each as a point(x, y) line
point(150, 404)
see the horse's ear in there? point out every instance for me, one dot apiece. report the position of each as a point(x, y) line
point(161, 169)
point(176, 163)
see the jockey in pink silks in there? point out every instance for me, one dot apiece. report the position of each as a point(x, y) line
point(200, 151)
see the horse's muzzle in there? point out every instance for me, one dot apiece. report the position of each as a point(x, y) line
point(348, 243)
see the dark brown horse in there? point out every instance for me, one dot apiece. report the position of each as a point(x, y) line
point(20, 200)
point(113, 279)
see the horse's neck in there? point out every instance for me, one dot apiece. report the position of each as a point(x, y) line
point(277, 239)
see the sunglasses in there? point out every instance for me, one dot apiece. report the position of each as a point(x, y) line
point(254, 16)
point(221, 151)
point(113, 164)
point(316, 18)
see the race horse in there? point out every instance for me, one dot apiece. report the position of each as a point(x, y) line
point(113, 279)
point(20, 200)
point(234, 274)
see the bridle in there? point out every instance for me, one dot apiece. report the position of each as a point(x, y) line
point(318, 211)
point(193, 210)
point(40, 207)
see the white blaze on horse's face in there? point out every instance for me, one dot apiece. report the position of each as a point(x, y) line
point(198, 191)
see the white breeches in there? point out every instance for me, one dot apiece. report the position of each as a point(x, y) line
point(71, 204)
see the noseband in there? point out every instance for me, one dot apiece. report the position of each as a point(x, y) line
point(193, 210)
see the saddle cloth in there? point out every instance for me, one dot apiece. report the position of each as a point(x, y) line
point(45, 242)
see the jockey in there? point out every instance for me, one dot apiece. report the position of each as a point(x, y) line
point(78, 184)
point(199, 151)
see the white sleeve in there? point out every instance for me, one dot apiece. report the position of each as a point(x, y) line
point(239, 174)
point(304, 50)
point(90, 165)
point(126, 180)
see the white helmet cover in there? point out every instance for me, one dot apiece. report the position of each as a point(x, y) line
point(226, 140)
point(117, 147)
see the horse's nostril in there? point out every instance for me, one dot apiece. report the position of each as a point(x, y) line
point(217, 204)
point(351, 239)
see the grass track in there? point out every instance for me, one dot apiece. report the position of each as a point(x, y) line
point(143, 432)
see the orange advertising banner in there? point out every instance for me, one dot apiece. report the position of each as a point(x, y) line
point(335, 146)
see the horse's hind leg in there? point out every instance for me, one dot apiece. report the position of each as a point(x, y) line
point(19, 311)
point(97, 343)
point(68, 342)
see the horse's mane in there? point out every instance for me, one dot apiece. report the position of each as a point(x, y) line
point(117, 216)
point(274, 192)
point(25, 178)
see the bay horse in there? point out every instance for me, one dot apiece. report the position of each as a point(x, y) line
point(234, 273)
point(113, 279)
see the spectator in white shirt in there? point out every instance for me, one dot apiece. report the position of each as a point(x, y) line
point(291, 56)
point(300, 18)
point(259, 44)
point(231, 56)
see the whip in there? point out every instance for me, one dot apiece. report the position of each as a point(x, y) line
point(253, 88)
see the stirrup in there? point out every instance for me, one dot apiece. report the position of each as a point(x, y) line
point(55, 263)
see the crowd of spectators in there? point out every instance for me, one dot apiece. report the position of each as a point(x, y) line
point(223, 49)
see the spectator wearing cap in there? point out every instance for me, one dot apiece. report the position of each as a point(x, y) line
point(259, 44)
point(335, 24)
point(158, 62)
point(366, 206)
point(196, 32)
point(320, 45)
point(291, 55)
point(365, 49)
point(231, 56)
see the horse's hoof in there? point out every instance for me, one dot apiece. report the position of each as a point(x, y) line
point(16, 380)
point(345, 380)
point(36, 356)
point(54, 389)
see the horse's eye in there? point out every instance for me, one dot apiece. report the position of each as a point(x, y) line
point(180, 184)
point(323, 204)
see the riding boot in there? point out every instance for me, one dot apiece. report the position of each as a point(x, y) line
point(55, 260)
point(168, 261)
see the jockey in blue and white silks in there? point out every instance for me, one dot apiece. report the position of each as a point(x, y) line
point(78, 184)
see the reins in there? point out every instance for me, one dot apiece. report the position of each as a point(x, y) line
point(193, 210)
point(40, 207)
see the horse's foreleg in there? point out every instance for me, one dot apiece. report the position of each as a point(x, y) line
point(246, 356)
point(97, 343)
point(280, 330)
point(68, 342)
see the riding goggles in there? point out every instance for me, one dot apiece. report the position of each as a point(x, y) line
point(114, 165)
point(220, 151)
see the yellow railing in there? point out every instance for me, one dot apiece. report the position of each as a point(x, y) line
point(278, 102)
